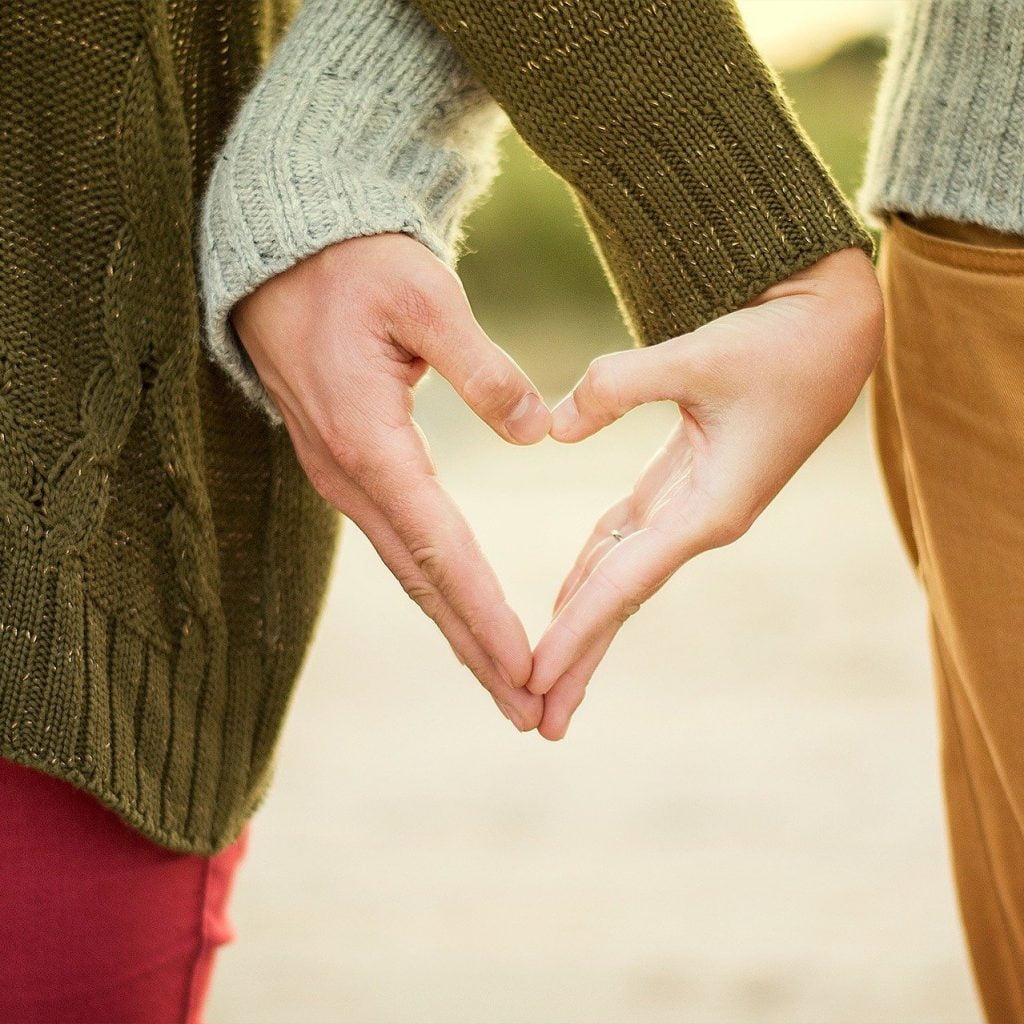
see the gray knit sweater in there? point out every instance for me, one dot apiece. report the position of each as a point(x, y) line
point(364, 121)
point(948, 135)
point(367, 121)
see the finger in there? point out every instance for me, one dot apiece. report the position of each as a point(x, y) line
point(567, 694)
point(489, 381)
point(612, 519)
point(595, 553)
point(620, 381)
point(620, 582)
point(441, 543)
point(523, 709)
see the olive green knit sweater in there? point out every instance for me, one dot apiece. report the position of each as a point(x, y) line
point(692, 175)
point(697, 185)
point(162, 557)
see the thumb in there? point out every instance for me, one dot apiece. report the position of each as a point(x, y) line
point(487, 378)
point(620, 381)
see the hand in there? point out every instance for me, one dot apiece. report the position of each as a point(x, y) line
point(758, 390)
point(340, 341)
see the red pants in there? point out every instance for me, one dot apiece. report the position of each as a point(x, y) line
point(97, 923)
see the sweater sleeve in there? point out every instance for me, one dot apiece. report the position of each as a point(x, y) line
point(364, 121)
point(691, 172)
point(947, 137)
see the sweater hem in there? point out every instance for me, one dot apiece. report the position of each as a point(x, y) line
point(178, 744)
point(76, 773)
point(878, 206)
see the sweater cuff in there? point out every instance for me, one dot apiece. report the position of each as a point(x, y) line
point(326, 203)
point(694, 178)
point(947, 138)
point(364, 122)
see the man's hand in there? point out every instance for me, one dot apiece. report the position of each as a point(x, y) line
point(758, 390)
point(340, 341)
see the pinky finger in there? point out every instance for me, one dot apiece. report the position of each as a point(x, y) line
point(617, 586)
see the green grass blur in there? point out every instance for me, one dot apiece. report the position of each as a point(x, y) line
point(530, 272)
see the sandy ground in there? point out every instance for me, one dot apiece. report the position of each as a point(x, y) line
point(743, 824)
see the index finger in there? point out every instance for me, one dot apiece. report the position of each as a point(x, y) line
point(439, 540)
point(628, 574)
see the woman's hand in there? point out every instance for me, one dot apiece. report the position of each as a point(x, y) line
point(340, 341)
point(758, 390)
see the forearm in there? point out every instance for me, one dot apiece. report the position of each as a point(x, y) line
point(365, 121)
point(694, 178)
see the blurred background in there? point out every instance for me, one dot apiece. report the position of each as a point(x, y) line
point(744, 822)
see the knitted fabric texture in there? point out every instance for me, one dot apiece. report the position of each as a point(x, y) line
point(692, 175)
point(365, 121)
point(697, 184)
point(948, 133)
point(163, 557)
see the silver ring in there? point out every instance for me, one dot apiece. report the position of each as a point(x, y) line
point(617, 534)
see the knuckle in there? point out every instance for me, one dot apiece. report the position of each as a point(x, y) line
point(421, 302)
point(601, 382)
point(348, 455)
point(323, 481)
point(440, 565)
point(425, 596)
point(627, 610)
point(415, 303)
point(728, 525)
point(493, 387)
point(427, 557)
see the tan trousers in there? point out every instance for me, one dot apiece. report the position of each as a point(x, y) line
point(948, 409)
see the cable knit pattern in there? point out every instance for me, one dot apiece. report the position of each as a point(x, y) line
point(948, 133)
point(366, 121)
point(163, 557)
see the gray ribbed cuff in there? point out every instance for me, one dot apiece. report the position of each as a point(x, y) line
point(948, 134)
point(365, 121)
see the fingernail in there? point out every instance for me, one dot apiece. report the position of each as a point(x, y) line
point(529, 420)
point(565, 415)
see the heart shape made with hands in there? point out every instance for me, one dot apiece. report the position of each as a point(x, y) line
point(341, 340)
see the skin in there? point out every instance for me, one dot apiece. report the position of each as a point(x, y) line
point(757, 390)
point(341, 339)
